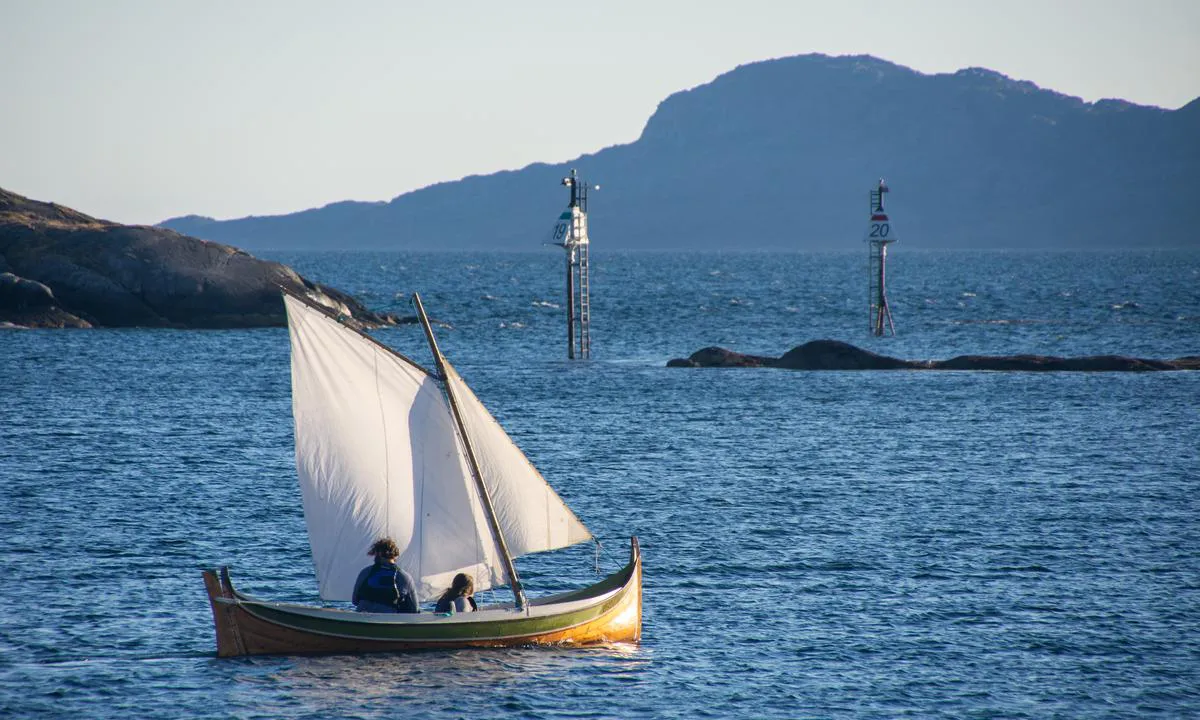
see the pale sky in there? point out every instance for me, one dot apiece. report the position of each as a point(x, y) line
point(137, 111)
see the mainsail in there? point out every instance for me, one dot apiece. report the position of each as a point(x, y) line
point(377, 453)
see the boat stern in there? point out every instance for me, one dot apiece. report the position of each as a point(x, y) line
point(224, 605)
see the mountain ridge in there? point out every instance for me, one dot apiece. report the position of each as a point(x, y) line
point(779, 154)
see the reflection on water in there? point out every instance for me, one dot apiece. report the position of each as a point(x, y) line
point(435, 680)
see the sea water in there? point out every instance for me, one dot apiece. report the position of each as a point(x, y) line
point(817, 544)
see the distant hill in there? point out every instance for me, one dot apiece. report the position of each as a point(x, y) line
point(780, 154)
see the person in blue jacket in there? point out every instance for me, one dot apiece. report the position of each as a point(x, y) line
point(383, 587)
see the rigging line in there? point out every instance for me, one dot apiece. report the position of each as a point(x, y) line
point(418, 512)
point(461, 443)
point(484, 503)
point(602, 549)
point(493, 521)
point(387, 470)
point(480, 558)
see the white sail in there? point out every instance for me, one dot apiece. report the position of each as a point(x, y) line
point(377, 455)
point(531, 515)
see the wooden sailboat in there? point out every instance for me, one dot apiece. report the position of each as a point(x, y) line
point(385, 447)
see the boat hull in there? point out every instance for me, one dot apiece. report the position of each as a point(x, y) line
point(607, 612)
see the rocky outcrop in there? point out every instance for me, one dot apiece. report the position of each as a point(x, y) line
point(836, 355)
point(62, 268)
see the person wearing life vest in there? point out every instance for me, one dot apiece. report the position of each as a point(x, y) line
point(383, 587)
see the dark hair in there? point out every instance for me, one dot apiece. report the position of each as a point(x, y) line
point(463, 586)
point(385, 548)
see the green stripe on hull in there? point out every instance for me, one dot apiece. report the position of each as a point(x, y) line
point(515, 627)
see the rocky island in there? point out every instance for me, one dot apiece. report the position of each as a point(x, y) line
point(60, 268)
point(837, 355)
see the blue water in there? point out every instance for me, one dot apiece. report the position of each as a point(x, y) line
point(870, 544)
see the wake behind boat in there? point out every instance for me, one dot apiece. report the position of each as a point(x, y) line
point(385, 447)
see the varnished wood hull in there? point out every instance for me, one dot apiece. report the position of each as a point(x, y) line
point(608, 612)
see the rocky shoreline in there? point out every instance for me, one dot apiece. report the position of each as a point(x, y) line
point(837, 355)
point(60, 268)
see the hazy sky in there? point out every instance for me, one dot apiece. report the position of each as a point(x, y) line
point(137, 111)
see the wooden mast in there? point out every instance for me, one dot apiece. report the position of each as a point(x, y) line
point(489, 510)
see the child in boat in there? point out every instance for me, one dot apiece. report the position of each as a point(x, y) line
point(383, 587)
point(459, 597)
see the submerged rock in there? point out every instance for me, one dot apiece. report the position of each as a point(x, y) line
point(837, 355)
point(65, 269)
